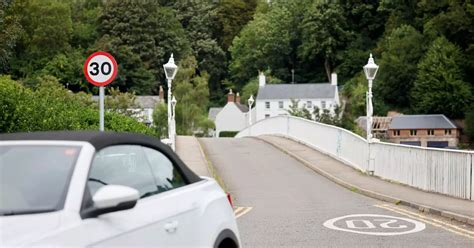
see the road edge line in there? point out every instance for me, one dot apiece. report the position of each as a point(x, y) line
point(372, 194)
point(210, 167)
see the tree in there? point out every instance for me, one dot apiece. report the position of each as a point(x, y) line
point(160, 120)
point(263, 43)
point(68, 69)
point(199, 19)
point(9, 32)
point(469, 122)
point(295, 110)
point(325, 33)
point(192, 95)
point(141, 35)
point(46, 31)
point(85, 22)
point(401, 51)
point(232, 16)
point(367, 24)
point(439, 88)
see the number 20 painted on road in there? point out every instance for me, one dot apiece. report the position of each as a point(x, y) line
point(100, 68)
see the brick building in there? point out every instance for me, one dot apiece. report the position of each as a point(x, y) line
point(423, 130)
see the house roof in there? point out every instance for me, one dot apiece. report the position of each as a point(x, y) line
point(143, 101)
point(242, 107)
point(297, 91)
point(147, 101)
point(421, 122)
point(213, 113)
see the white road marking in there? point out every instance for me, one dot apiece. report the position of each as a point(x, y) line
point(240, 211)
point(434, 222)
point(365, 223)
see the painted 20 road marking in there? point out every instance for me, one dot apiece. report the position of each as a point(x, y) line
point(384, 225)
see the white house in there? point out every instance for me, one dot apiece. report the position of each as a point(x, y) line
point(232, 117)
point(275, 99)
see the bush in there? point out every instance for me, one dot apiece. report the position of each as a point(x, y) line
point(51, 107)
point(228, 134)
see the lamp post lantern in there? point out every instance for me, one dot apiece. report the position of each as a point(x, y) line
point(170, 72)
point(370, 70)
point(250, 102)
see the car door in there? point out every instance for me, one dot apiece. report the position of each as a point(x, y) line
point(167, 212)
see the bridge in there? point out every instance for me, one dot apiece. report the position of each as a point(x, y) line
point(298, 183)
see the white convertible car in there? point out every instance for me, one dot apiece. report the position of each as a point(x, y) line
point(104, 189)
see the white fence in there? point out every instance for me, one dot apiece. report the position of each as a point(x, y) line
point(443, 171)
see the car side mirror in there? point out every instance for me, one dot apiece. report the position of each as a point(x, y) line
point(112, 198)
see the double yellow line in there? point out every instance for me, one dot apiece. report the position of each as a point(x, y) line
point(434, 222)
point(240, 211)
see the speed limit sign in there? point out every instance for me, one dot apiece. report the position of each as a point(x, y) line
point(100, 68)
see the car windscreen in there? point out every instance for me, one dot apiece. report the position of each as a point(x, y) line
point(35, 178)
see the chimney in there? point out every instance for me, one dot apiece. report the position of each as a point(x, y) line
point(237, 98)
point(261, 79)
point(230, 96)
point(161, 94)
point(334, 79)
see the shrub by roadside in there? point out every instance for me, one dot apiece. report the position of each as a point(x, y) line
point(51, 107)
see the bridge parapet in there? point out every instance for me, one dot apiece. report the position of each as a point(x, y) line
point(443, 171)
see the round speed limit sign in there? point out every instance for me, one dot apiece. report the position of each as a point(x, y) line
point(100, 68)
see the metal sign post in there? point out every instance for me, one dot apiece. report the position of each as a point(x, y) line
point(100, 70)
point(101, 107)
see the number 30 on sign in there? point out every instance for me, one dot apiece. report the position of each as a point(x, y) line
point(100, 68)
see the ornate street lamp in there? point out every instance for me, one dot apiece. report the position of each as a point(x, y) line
point(250, 102)
point(170, 72)
point(370, 70)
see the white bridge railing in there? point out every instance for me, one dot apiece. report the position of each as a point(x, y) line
point(443, 171)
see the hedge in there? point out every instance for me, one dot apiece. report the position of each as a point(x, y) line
point(51, 107)
point(228, 134)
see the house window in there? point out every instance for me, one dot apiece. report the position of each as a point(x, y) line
point(309, 104)
point(323, 104)
point(413, 132)
point(396, 132)
point(267, 116)
point(267, 105)
point(447, 132)
point(280, 104)
point(430, 132)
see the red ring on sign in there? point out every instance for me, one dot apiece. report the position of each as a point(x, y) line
point(114, 64)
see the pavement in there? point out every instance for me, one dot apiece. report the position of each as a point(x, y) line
point(189, 150)
point(292, 206)
point(346, 176)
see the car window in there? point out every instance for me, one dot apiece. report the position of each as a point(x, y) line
point(166, 174)
point(122, 165)
point(35, 178)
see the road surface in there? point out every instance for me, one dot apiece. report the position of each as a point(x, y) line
point(292, 206)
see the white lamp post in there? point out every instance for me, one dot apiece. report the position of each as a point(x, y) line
point(370, 70)
point(170, 72)
point(173, 122)
point(250, 102)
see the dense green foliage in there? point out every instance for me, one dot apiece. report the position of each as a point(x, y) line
point(228, 134)
point(469, 123)
point(41, 38)
point(439, 86)
point(51, 107)
point(424, 49)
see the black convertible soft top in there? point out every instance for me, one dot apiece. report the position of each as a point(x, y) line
point(104, 139)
